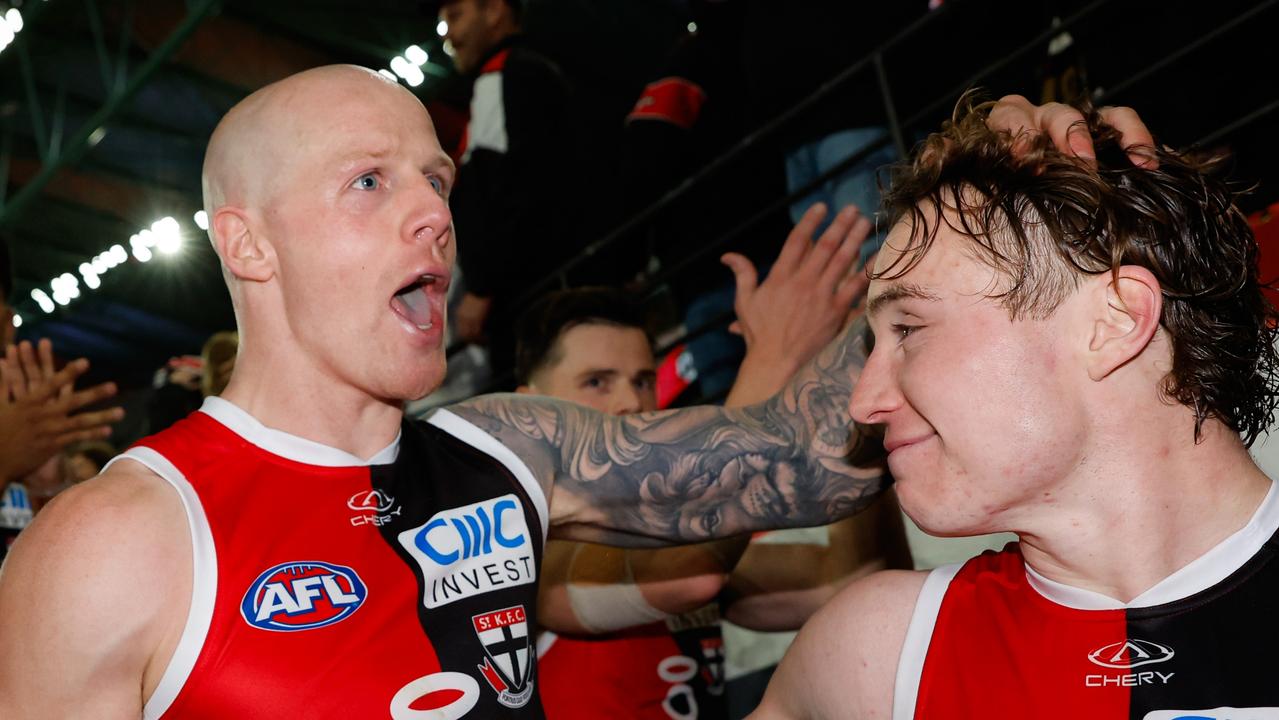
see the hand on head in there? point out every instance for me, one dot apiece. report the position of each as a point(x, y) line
point(1066, 126)
point(41, 411)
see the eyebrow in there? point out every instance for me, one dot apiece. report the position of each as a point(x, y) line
point(898, 292)
point(438, 161)
point(614, 372)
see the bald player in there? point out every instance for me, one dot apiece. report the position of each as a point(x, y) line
point(296, 547)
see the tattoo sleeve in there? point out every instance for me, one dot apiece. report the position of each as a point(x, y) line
point(698, 473)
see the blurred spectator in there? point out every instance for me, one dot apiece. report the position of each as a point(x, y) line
point(39, 408)
point(692, 113)
point(86, 459)
point(183, 383)
point(509, 205)
point(791, 49)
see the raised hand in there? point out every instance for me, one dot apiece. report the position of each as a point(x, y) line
point(40, 410)
point(805, 300)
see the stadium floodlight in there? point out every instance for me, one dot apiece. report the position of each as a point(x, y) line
point(17, 320)
point(416, 55)
point(42, 299)
point(442, 28)
point(201, 219)
point(400, 66)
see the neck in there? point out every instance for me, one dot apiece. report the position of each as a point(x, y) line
point(295, 396)
point(1161, 498)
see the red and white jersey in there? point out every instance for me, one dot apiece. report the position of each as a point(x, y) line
point(326, 586)
point(671, 670)
point(994, 639)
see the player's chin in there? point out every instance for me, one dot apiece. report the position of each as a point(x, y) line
point(414, 380)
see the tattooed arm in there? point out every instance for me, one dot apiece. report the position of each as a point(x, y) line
point(695, 473)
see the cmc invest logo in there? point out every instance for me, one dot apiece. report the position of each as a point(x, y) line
point(1130, 653)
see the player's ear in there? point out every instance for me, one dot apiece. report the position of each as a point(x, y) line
point(246, 253)
point(1125, 316)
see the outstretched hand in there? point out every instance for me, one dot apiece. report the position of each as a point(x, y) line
point(1066, 126)
point(40, 408)
point(808, 296)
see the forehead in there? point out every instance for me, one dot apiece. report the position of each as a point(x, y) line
point(362, 118)
point(595, 346)
point(948, 271)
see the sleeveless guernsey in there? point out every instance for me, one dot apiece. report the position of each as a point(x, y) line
point(400, 587)
point(993, 639)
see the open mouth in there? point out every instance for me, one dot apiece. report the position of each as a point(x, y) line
point(412, 304)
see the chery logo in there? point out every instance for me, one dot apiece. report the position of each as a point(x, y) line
point(371, 501)
point(1130, 654)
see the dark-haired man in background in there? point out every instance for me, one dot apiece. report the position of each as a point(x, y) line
point(1079, 352)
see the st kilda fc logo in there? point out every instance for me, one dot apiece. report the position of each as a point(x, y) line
point(508, 661)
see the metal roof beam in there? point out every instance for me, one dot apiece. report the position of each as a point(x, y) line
point(79, 143)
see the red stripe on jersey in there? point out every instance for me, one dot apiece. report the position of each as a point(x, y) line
point(1000, 649)
point(495, 63)
point(674, 100)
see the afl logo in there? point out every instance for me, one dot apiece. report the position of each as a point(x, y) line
point(1130, 654)
point(299, 595)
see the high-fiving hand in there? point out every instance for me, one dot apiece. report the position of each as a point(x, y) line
point(40, 409)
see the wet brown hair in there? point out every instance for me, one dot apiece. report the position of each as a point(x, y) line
point(1044, 219)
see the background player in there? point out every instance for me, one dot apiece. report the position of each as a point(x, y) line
point(590, 346)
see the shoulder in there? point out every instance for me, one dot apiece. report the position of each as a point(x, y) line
point(844, 662)
point(118, 530)
point(71, 584)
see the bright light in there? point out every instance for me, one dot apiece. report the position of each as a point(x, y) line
point(165, 235)
point(15, 19)
point(90, 276)
point(201, 219)
point(400, 67)
point(692, 27)
point(169, 244)
point(388, 75)
point(99, 265)
point(415, 77)
point(117, 255)
point(416, 55)
point(60, 297)
point(17, 320)
point(442, 29)
point(141, 253)
point(42, 299)
point(6, 32)
point(146, 239)
point(69, 280)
